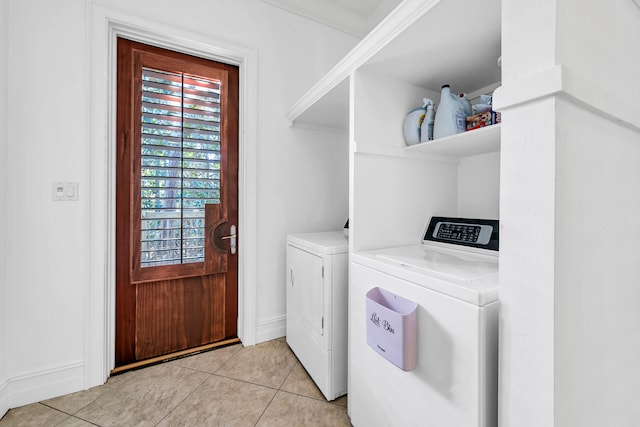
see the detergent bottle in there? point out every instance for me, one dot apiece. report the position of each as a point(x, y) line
point(451, 117)
point(426, 130)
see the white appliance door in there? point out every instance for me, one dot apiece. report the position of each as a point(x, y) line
point(307, 287)
point(455, 380)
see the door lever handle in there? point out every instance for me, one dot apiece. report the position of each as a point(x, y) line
point(232, 239)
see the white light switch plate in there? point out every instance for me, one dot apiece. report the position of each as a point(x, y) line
point(65, 191)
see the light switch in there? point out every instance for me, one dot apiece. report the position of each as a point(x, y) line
point(58, 190)
point(65, 191)
point(70, 191)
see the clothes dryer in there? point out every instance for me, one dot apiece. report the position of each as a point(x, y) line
point(317, 307)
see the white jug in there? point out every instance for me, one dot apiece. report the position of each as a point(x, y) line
point(452, 113)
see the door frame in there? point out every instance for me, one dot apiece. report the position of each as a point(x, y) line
point(106, 25)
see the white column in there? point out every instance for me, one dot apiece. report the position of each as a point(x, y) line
point(570, 214)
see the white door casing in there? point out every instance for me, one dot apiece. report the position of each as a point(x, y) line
point(106, 25)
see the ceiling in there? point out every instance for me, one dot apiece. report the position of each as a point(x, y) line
point(356, 17)
point(361, 7)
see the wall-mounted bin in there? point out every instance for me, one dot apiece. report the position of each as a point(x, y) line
point(392, 327)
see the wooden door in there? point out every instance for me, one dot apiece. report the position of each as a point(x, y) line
point(176, 202)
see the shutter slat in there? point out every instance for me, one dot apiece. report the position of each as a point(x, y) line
point(153, 89)
point(197, 106)
point(164, 141)
point(150, 74)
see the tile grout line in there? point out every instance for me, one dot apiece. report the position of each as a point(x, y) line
point(209, 375)
point(279, 389)
point(322, 398)
point(74, 414)
point(215, 373)
point(55, 409)
point(230, 378)
point(80, 409)
point(274, 394)
point(62, 412)
point(86, 421)
point(266, 407)
point(186, 397)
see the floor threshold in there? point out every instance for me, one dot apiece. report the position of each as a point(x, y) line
point(173, 356)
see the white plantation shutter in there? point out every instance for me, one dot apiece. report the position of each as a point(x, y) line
point(180, 166)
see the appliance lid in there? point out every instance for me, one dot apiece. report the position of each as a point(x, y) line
point(328, 242)
point(456, 264)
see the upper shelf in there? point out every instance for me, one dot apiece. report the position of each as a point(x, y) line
point(424, 43)
point(448, 149)
point(471, 143)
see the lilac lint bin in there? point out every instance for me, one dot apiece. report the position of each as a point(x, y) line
point(392, 327)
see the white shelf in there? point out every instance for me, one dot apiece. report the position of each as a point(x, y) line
point(449, 149)
point(423, 43)
point(330, 111)
point(403, 153)
point(478, 141)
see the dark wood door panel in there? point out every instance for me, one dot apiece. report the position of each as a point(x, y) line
point(173, 315)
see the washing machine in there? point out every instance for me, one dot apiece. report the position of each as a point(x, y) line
point(317, 295)
point(449, 281)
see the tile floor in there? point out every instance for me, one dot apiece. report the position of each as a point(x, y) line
point(263, 385)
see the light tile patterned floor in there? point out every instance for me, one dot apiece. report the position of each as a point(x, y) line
point(262, 386)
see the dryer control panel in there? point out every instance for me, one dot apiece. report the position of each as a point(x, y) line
point(477, 233)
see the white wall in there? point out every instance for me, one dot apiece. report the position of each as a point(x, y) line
point(479, 186)
point(568, 269)
point(598, 217)
point(48, 137)
point(597, 257)
point(528, 38)
point(602, 53)
point(4, 34)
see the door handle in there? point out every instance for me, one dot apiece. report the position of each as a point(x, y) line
point(232, 237)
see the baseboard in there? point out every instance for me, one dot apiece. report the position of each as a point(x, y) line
point(4, 397)
point(270, 329)
point(41, 385)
